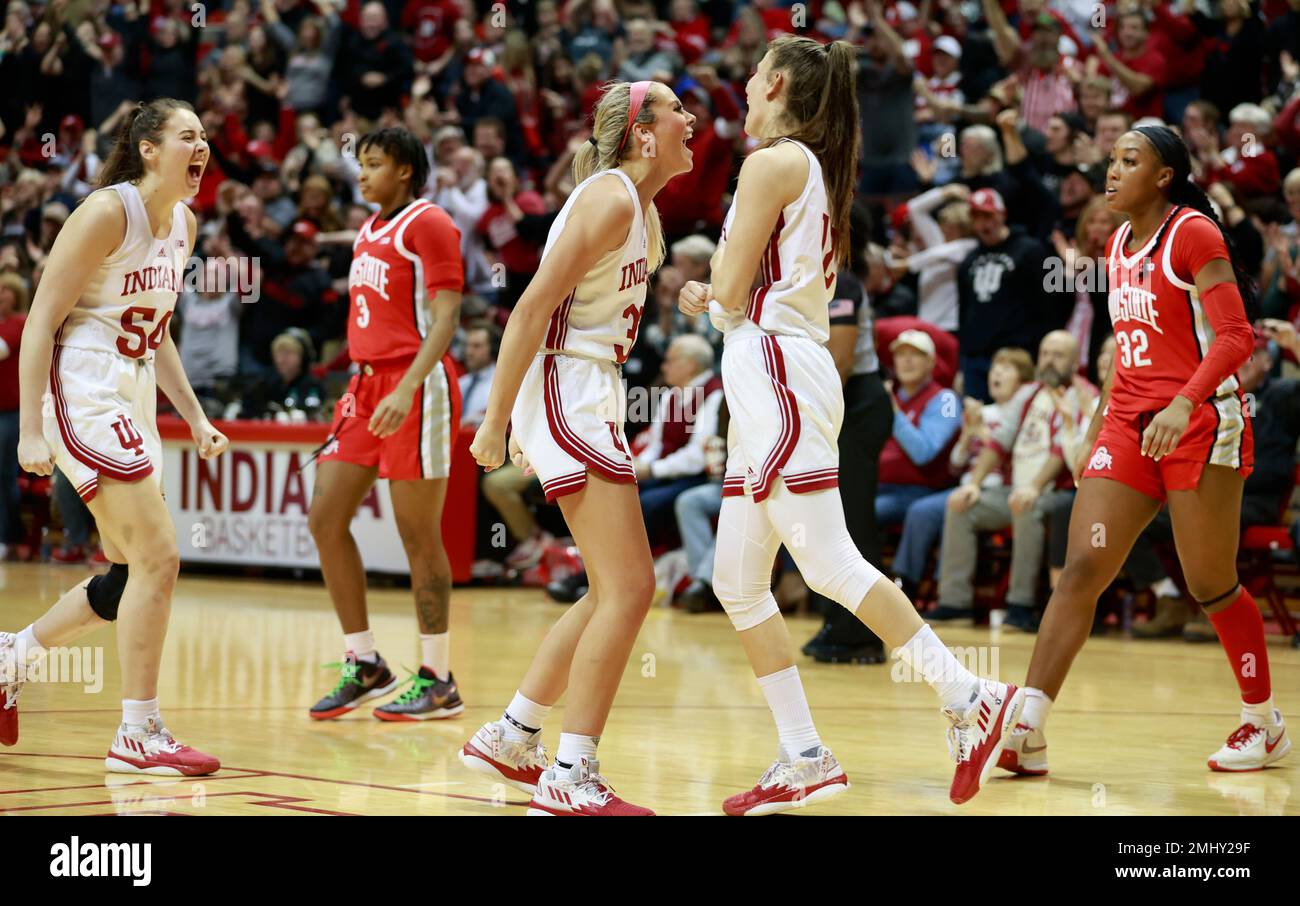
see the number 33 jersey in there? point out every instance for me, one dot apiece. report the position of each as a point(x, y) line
point(1162, 330)
point(792, 292)
point(398, 265)
point(128, 303)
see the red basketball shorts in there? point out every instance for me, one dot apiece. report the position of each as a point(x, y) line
point(1218, 433)
point(421, 447)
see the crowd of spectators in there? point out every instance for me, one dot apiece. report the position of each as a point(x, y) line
point(986, 129)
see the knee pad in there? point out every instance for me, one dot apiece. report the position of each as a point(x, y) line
point(745, 610)
point(105, 592)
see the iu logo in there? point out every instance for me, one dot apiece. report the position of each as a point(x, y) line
point(1101, 460)
point(127, 435)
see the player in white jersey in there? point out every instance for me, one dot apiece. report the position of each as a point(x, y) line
point(558, 384)
point(773, 279)
point(95, 346)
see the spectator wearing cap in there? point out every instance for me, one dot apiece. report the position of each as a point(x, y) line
point(1041, 73)
point(1002, 292)
point(692, 202)
point(1043, 432)
point(1246, 162)
point(886, 106)
point(643, 60)
point(942, 243)
point(939, 103)
point(374, 64)
point(507, 206)
point(1139, 67)
point(13, 308)
point(290, 393)
point(927, 416)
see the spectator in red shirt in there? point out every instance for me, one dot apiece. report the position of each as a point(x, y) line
point(1139, 67)
point(430, 24)
point(690, 29)
point(497, 226)
point(1246, 164)
point(693, 201)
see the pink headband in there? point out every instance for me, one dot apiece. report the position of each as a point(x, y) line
point(636, 96)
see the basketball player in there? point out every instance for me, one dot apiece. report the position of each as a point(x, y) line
point(1170, 427)
point(95, 346)
point(558, 382)
point(398, 420)
point(789, 224)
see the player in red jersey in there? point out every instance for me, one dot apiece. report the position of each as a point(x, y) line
point(1172, 427)
point(95, 351)
point(398, 420)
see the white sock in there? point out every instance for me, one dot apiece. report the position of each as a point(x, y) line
point(28, 649)
point(955, 685)
point(1166, 588)
point(794, 723)
point(523, 712)
point(436, 652)
point(1037, 704)
point(362, 645)
point(137, 713)
point(1260, 714)
point(573, 746)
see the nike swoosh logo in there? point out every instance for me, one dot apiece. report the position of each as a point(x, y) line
point(1271, 744)
point(1030, 750)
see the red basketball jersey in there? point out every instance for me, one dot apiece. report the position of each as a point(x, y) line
point(397, 266)
point(1162, 330)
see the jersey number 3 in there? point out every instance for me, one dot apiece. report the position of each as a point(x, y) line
point(135, 345)
point(624, 349)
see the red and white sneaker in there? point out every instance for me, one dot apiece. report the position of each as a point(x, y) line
point(976, 738)
point(791, 783)
point(10, 688)
point(1251, 747)
point(580, 791)
point(519, 764)
point(1025, 752)
point(150, 749)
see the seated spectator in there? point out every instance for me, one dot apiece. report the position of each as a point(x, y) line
point(923, 525)
point(482, 341)
point(1274, 404)
point(940, 246)
point(671, 457)
point(292, 394)
point(1044, 429)
point(1083, 268)
point(914, 461)
point(696, 510)
point(507, 489)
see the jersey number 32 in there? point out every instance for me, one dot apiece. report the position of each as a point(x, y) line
point(1132, 348)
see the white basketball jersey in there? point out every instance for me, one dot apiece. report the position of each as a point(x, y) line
point(128, 303)
point(600, 318)
point(796, 275)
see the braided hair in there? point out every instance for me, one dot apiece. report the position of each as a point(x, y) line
point(1184, 193)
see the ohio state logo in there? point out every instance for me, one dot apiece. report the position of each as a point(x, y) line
point(127, 435)
point(1101, 460)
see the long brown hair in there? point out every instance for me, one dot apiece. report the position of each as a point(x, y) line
point(821, 105)
point(613, 144)
point(143, 124)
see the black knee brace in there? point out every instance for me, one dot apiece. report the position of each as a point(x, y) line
point(105, 592)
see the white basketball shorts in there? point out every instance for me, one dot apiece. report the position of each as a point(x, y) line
point(568, 420)
point(101, 418)
point(786, 408)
